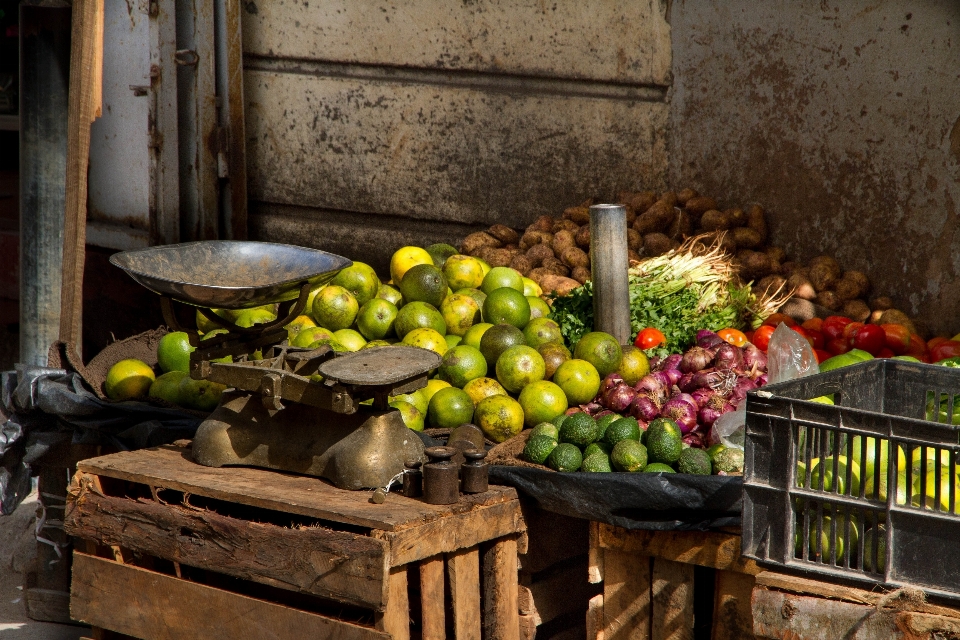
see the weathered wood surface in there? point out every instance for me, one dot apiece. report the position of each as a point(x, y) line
point(783, 615)
point(396, 619)
point(463, 570)
point(153, 606)
point(672, 597)
point(704, 548)
point(627, 605)
point(432, 602)
point(595, 618)
point(500, 600)
point(595, 557)
point(171, 467)
point(343, 566)
point(732, 612)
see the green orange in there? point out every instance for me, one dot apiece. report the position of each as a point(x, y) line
point(554, 354)
point(335, 308)
point(538, 308)
point(476, 294)
point(426, 338)
point(460, 312)
point(601, 350)
point(499, 277)
point(424, 283)
point(480, 388)
point(308, 336)
point(128, 379)
point(634, 365)
point(411, 415)
point(359, 279)
point(506, 305)
point(500, 417)
point(519, 366)
point(375, 319)
point(390, 294)
point(349, 338)
point(432, 387)
point(579, 380)
point(542, 401)
point(173, 352)
point(475, 333)
point(405, 258)
point(463, 272)
point(418, 315)
point(498, 339)
point(450, 408)
point(462, 364)
point(297, 325)
point(540, 331)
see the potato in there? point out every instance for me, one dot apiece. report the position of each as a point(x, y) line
point(504, 234)
point(580, 274)
point(856, 310)
point(769, 285)
point(757, 220)
point(634, 239)
point(557, 284)
point(787, 268)
point(738, 217)
point(537, 273)
point(499, 257)
point(746, 238)
point(521, 263)
point(829, 261)
point(556, 266)
point(828, 299)
point(633, 256)
point(801, 286)
point(669, 197)
point(631, 215)
point(575, 257)
point(774, 266)
point(895, 316)
point(562, 224)
point(823, 276)
point(754, 265)
point(562, 240)
point(655, 219)
point(685, 194)
point(531, 238)
point(854, 283)
point(776, 253)
point(699, 205)
point(543, 223)
point(580, 215)
point(656, 244)
point(682, 225)
point(538, 253)
point(714, 220)
point(582, 237)
point(476, 241)
point(881, 303)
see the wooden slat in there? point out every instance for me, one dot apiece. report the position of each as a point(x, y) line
point(452, 533)
point(464, 574)
point(172, 468)
point(672, 596)
point(783, 615)
point(626, 596)
point(732, 615)
point(396, 619)
point(153, 606)
point(500, 600)
point(704, 548)
point(432, 604)
point(595, 618)
point(595, 558)
point(343, 566)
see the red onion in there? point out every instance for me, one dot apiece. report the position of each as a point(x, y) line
point(593, 408)
point(686, 383)
point(702, 395)
point(695, 359)
point(761, 380)
point(708, 339)
point(612, 380)
point(728, 357)
point(644, 408)
point(651, 385)
point(683, 411)
point(739, 392)
point(754, 358)
point(720, 381)
point(605, 412)
point(669, 376)
point(694, 440)
point(619, 398)
point(655, 363)
point(670, 362)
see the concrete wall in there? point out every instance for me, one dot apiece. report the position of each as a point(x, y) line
point(841, 117)
point(376, 124)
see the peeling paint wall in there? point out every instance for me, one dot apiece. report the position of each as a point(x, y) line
point(843, 118)
point(372, 125)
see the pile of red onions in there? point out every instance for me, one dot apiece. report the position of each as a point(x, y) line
point(693, 389)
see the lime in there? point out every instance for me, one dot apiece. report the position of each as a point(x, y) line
point(500, 277)
point(350, 339)
point(449, 408)
point(531, 288)
point(601, 350)
point(417, 398)
point(201, 395)
point(463, 272)
point(335, 308)
point(541, 331)
point(541, 401)
point(418, 315)
point(499, 417)
point(167, 387)
point(405, 258)
point(440, 253)
point(506, 305)
point(411, 415)
point(462, 364)
point(426, 339)
point(480, 388)
point(460, 312)
point(519, 366)
point(390, 294)
point(538, 308)
point(634, 365)
point(359, 279)
point(452, 340)
point(622, 429)
point(554, 354)
point(249, 317)
point(424, 283)
point(173, 352)
point(545, 429)
point(127, 379)
point(375, 319)
point(495, 340)
point(474, 333)
point(579, 380)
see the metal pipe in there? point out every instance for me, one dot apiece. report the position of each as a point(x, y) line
point(44, 80)
point(608, 270)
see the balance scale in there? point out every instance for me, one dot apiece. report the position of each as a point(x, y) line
point(277, 413)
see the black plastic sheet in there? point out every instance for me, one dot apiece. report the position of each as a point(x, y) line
point(659, 502)
point(43, 408)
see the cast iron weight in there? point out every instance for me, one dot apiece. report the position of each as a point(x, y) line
point(412, 479)
point(441, 476)
point(474, 472)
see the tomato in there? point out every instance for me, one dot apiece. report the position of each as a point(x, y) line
point(817, 338)
point(749, 335)
point(832, 327)
point(733, 336)
point(761, 337)
point(649, 338)
point(838, 346)
point(871, 338)
point(898, 338)
point(804, 333)
point(822, 355)
point(850, 330)
point(935, 341)
point(814, 324)
point(886, 353)
point(775, 320)
point(918, 348)
point(944, 350)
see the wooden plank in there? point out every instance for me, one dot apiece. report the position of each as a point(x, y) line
point(528, 626)
point(595, 618)
point(923, 625)
point(627, 605)
point(86, 53)
point(595, 557)
point(704, 548)
point(48, 605)
point(525, 603)
point(396, 619)
point(172, 468)
point(561, 590)
point(432, 602)
point(500, 599)
point(783, 615)
point(153, 606)
point(453, 532)
point(343, 566)
point(463, 569)
point(732, 613)
point(672, 596)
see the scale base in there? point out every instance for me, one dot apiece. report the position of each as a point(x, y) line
point(363, 450)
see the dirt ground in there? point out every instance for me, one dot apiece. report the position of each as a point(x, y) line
point(17, 551)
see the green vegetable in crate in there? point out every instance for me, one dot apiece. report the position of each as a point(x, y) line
point(539, 448)
point(596, 463)
point(696, 461)
point(580, 429)
point(664, 441)
point(728, 461)
point(565, 457)
point(629, 455)
point(825, 468)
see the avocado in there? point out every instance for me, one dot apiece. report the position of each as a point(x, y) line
point(545, 429)
point(597, 447)
point(664, 442)
point(538, 448)
point(565, 457)
point(729, 461)
point(622, 429)
point(596, 463)
point(605, 421)
point(579, 429)
point(694, 461)
point(659, 467)
point(629, 455)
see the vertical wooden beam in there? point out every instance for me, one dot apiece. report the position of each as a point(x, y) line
point(626, 596)
point(501, 619)
point(395, 620)
point(86, 59)
point(672, 597)
point(595, 555)
point(432, 604)
point(595, 618)
point(732, 609)
point(463, 568)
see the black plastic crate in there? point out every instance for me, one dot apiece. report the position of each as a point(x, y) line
point(808, 509)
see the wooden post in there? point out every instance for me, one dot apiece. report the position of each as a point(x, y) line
point(608, 266)
point(464, 572)
point(396, 619)
point(431, 597)
point(501, 619)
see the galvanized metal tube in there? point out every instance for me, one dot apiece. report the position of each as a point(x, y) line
point(608, 267)
point(44, 80)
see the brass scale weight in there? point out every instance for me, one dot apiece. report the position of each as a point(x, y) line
point(273, 415)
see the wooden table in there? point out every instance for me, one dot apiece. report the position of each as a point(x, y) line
point(178, 550)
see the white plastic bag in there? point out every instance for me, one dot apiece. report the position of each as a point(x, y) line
point(789, 357)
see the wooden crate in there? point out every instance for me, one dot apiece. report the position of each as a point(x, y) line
point(178, 550)
point(657, 585)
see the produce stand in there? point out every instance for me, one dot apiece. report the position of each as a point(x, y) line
point(276, 555)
